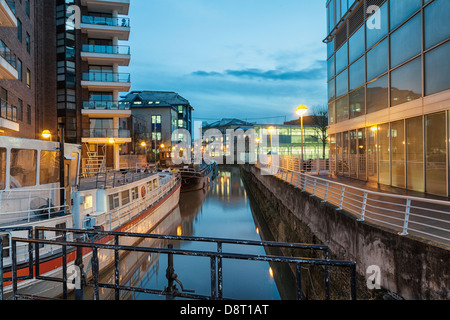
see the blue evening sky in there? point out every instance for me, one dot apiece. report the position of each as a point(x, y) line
point(254, 60)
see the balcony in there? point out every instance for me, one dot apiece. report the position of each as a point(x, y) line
point(105, 135)
point(106, 55)
point(106, 27)
point(106, 109)
point(106, 81)
point(107, 6)
point(8, 63)
point(7, 16)
point(8, 116)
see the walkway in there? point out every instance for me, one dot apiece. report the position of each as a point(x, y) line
point(403, 211)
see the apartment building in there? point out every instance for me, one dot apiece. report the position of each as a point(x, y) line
point(18, 114)
point(91, 46)
point(389, 92)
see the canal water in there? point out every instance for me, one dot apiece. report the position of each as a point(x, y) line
point(224, 210)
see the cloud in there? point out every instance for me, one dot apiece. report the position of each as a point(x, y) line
point(317, 72)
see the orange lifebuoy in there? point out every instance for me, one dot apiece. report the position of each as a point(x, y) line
point(143, 192)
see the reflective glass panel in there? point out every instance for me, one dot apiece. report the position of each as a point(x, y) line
point(437, 23)
point(357, 102)
point(383, 152)
point(437, 69)
point(414, 154)
point(435, 163)
point(406, 82)
point(377, 60)
point(377, 26)
point(356, 45)
point(377, 95)
point(342, 83)
point(398, 153)
point(357, 73)
point(331, 68)
point(405, 42)
point(401, 10)
point(341, 58)
point(332, 90)
point(342, 109)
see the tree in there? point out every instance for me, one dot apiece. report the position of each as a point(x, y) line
point(320, 125)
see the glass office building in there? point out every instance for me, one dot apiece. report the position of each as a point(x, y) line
point(389, 92)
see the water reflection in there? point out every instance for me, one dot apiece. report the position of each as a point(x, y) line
point(224, 210)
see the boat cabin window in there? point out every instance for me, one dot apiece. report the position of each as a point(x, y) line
point(134, 193)
point(5, 243)
point(2, 168)
point(155, 184)
point(23, 168)
point(114, 201)
point(125, 197)
point(149, 186)
point(49, 168)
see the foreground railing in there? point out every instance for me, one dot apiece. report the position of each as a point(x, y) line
point(423, 217)
point(216, 262)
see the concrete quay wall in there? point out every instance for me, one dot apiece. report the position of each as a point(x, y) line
point(410, 268)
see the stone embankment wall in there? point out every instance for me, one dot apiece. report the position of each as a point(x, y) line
point(409, 268)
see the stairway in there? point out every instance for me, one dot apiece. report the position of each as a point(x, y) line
point(94, 163)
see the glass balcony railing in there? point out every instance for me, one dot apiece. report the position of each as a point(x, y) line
point(106, 105)
point(7, 54)
point(91, 48)
point(106, 21)
point(106, 133)
point(106, 76)
point(7, 111)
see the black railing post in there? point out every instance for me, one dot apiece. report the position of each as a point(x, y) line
point(64, 266)
point(116, 267)
point(14, 268)
point(1, 268)
point(95, 269)
point(213, 278)
point(36, 253)
point(219, 271)
point(299, 282)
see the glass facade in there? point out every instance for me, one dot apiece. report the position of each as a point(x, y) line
point(395, 53)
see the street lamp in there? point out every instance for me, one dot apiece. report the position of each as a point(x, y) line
point(46, 134)
point(301, 111)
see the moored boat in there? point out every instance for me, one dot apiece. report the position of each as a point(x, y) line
point(31, 195)
point(196, 177)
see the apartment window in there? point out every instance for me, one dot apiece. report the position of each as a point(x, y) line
point(342, 109)
point(28, 42)
point(398, 153)
point(20, 110)
point(331, 68)
point(28, 114)
point(384, 176)
point(332, 90)
point(342, 83)
point(357, 102)
point(28, 78)
point(27, 7)
point(341, 58)
point(19, 30)
point(19, 69)
point(331, 113)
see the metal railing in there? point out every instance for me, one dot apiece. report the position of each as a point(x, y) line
point(8, 55)
point(106, 105)
point(216, 262)
point(107, 21)
point(106, 133)
point(95, 48)
point(423, 217)
point(29, 205)
point(106, 76)
point(112, 179)
point(7, 111)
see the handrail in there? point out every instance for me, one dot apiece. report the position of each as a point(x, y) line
point(423, 217)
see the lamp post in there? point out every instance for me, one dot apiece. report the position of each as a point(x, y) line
point(301, 111)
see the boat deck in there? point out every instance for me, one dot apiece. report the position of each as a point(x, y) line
point(113, 179)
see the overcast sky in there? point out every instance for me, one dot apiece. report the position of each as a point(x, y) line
point(255, 60)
